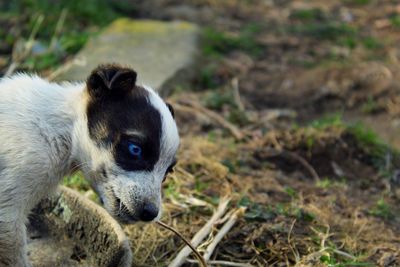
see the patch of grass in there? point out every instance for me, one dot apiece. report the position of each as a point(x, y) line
point(365, 139)
point(334, 120)
point(348, 41)
point(291, 192)
point(41, 62)
point(372, 43)
point(208, 79)
point(73, 41)
point(255, 211)
point(331, 260)
point(80, 21)
point(327, 183)
point(308, 14)
point(325, 31)
point(369, 141)
point(357, 2)
point(258, 212)
point(382, 209)
point(238, 117)
point(77, 182)
point(171, 190)
point(218, 99)
point(370, 107)
point(92, 12)
point(303, 215)
point(200, 185)
point(395, 21)
point(217, 43)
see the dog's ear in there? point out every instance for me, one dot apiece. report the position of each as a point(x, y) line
point(171, 109)
point(108, 80)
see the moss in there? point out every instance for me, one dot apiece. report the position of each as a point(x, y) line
point(395, 21)
point(147, 26)
point(382, 209)
point(77, 182)
point(325, 31)
point(308, 14)
point(216, 43)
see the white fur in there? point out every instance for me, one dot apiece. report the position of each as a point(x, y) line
point(43, 133)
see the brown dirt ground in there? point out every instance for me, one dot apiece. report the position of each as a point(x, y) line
point(349, 214)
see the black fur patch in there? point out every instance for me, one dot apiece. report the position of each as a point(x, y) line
point(116, 107)
point(171, 109)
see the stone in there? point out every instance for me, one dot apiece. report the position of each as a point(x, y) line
point(162, 53)
point(67, 229)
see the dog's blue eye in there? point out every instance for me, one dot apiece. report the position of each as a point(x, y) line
point(135, 150)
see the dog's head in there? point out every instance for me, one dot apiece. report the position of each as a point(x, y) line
point(132, 140)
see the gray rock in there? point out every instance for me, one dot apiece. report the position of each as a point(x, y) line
point(161, 52)
point(68, 229)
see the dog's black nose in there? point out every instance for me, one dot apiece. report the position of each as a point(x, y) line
point(149, 212)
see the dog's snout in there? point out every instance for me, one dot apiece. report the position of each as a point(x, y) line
point(149, 212)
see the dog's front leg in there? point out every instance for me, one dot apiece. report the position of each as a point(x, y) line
point(13, 244)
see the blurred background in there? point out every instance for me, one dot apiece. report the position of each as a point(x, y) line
point(291, 108)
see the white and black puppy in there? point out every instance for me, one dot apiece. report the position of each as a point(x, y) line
point(121, 135)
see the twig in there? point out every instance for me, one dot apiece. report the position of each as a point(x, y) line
point(59, 26)
point(303, 162)
point(216, 117)
point(17, 57)
point(198, 255)
point(225, 263)
point(344, 254)
point(184, 253)
point(293, 249)
point(65, 67)
point(236, 94)
point(275, 152)
point(224, 230)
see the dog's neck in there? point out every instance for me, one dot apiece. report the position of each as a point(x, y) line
point(62, 129)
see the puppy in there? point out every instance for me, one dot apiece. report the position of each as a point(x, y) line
point(121, 135)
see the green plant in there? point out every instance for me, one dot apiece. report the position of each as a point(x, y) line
point(325, 31)
point(217, 99)
point(216, 43)
point(395, 21)
point(330, 260)
point(77, 182)
point(255, 211)
point(334, 120)
point(369, 141)
point(370, 106)
point(238, 117)
point(291, 192)
point(382, 209)
point(327, 183)
point(208, 78)
point(372, 43)
point(307, 14)
point(63, 26)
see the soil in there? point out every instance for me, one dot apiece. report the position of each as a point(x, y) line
point(293, 217)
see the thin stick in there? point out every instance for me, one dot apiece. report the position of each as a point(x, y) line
point(198, 255)
point(59, 26)
point(216, 117)
point(65, 67)
point(303, 162)
point(292, 155)
point(18, 58)
point(236, 94)
point(224, 230)
point(225, 263)
point(185, 252)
